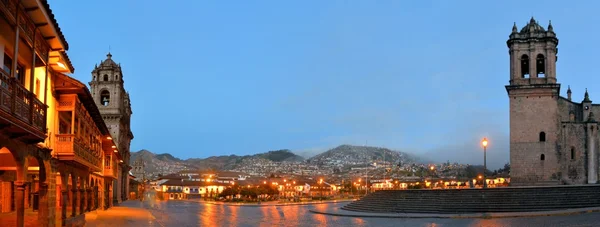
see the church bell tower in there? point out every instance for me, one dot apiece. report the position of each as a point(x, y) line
point(533, 92)
point(107, 88)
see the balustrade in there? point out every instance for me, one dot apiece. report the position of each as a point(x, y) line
point(68, 145)
point(16, 100)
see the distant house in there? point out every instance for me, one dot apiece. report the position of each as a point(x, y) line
point(184, 189)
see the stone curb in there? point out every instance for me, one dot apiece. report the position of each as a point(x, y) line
point(346, 213)
point(277, 204)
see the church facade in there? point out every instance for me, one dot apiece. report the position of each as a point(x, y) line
point(553, 139)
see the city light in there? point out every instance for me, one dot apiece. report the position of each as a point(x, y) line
point(484, 142)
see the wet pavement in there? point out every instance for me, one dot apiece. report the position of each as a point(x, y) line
point(196, 213)
point(189, 213)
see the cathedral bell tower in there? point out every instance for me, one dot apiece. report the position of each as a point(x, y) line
point(107, 88)
point(533, 92)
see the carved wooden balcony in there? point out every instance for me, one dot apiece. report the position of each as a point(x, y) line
point(110, 167)
point(22, 115)
point(9, 9)
point(71, 148)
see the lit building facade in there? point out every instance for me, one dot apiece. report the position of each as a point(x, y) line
point(57, 155)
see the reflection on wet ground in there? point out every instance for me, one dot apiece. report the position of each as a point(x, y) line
point(193, 213)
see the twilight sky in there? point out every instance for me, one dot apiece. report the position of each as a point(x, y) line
point(241, 77)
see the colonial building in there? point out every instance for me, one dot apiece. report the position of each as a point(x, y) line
point(84, 150)
point(553, 139)
point(57, 155)
point(109, 93)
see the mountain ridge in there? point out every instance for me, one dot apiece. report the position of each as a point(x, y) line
point(166, 163)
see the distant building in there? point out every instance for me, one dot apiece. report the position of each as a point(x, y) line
point(553, 139)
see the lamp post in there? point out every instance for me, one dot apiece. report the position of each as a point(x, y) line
point(321, 187)
point(484, 143)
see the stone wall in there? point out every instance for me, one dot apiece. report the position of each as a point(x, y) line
point(531, 113)
point(573, 169)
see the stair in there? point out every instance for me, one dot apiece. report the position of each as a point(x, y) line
point(508, 199)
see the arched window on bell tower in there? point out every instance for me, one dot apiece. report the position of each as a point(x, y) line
point(524, 66)
point(540, 65)
point(105, 98)
point(105, 77)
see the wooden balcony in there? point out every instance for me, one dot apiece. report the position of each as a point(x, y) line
point(22, 115)
point(111, 170)
point(71, 148)
point(9, 9)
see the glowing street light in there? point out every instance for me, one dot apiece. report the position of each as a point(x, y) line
point(485, 144)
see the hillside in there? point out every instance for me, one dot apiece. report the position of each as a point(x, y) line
point(349, 154)
point(157, 163)
point(166, 163)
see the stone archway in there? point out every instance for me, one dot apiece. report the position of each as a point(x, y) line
point(46, 186)
point(19, 156)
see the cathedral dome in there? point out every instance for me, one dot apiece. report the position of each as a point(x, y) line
point(108, 62)
point(532, 26)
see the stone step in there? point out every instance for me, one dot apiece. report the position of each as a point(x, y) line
point(478, 200)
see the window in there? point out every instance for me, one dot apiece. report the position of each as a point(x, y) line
point(107, 161)
point(37, 88)
point(64, 125)
point(540, 66)
point(572, 153)
point(524, 66)
point(105, 77)
point(116, 77)
point(542, 157)
point(19, 74)
point(105, 98)
point(542, 137)
point(7, 63)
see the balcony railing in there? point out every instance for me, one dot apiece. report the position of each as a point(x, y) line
point(110, 171)
point(16, 100)
point(68, 145)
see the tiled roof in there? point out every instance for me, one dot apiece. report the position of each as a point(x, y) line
point(55, 23)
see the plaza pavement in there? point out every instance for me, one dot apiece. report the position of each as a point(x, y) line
point(336, 211)
point(128, 213)
point(10, 219)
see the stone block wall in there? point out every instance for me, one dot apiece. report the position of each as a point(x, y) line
point(573, 169)
point(532, 112)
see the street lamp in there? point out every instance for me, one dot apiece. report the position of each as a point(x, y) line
point(321, 186)
point(484, 143)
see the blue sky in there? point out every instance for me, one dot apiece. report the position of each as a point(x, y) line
point(241, 77)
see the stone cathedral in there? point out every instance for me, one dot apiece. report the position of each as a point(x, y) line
point(108, 90)
point(553, 139)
